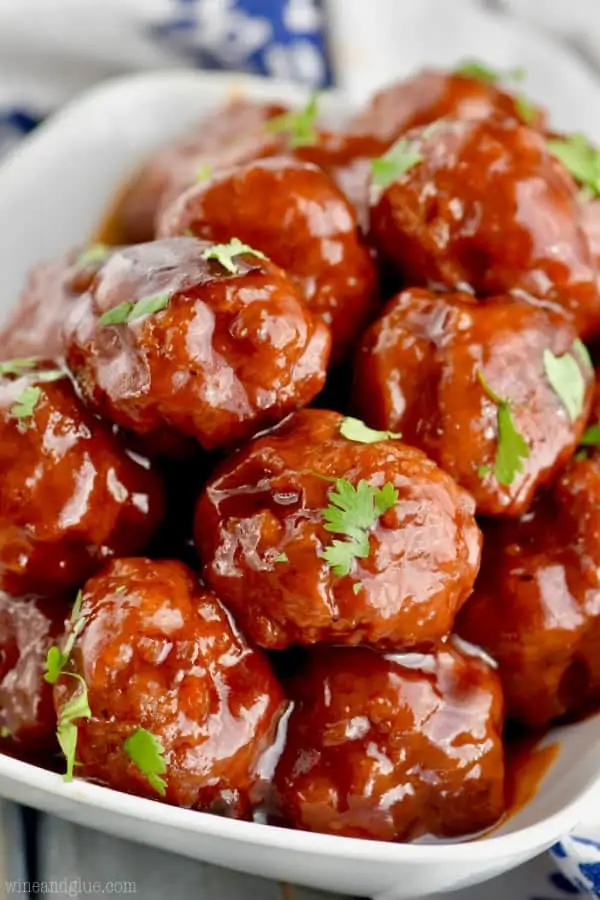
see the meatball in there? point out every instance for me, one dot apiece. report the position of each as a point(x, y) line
point(265, 202)
point(28, 627)
point(310, 536)
point(35, 327)
point(210, 352)
point(71, 496)
point(232, 135)
point(435, 367)
point(434, 94)
point(484, 205)
point(163, 665)
point(535, 605)
point(394, 747)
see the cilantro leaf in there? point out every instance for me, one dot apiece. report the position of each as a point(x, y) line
point(204, 173)
point(224, 253)
point(567, 381)
point(357, 587)
point(148, 305)
point(57, 659)
point(584, 354)
point(25, 405)
point(77, 707)
point(147, 753)
point(281, 558)
point(18, 366)
point(351, 512)
point(591, 436)
point(95, 253)
point(526, 109)
point(300, 125)
point(397, 161)
point(472, 68)
point(581, 158)
point(355, 430)
point(512, 447)
point(128, 311)
point(118, 314)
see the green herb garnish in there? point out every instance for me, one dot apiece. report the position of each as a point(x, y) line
point(4, 732)
point(355, 430)
point(19, 366)
point(526, 109)
point(147, 753)
point(397, 161)
point(591, 436)
point(95, 253)
point(512, 447)
point(224, 253)
point(567, 381)
point(281, 558)
point(300, 125)
point(57, 659)
point(25, 404)
point(472, 68)
point(352, 511)
point(75, 708)
point(204, 173)
point(128, 311)
point(581, 158)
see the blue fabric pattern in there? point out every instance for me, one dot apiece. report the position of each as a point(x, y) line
point(14, 124)
point(283, 38)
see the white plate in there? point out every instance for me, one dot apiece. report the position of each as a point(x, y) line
point(52, 194)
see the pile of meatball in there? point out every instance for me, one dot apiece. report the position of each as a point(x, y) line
point(300, 495)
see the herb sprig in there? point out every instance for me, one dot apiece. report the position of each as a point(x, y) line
point(300, 126)
point(566, 378)
point(512, 447)
point(225, 253)
point(147, 753)
point(351, 512)
point(128, 311)
point(581, 158)
point(403, 156)
point(356, 430)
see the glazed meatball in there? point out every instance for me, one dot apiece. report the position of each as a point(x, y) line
point(394, 747)
point(433, 94)
point(35, 327)
point(158, 653)
point(28, 627)
point(218, 356)
point(435, 367)
point(294, 213)
point(310, 536)
point(485, 206)
point(232, 135)
point(71, 496)
point(535, 606)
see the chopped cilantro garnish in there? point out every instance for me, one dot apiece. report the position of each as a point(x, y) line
point(566, 380)
point(352, 511)
point(591, 436)
point(146, 752)
point(355, 430)
point(19, 366)
point(300, 125)
point(57, 659)
point(118, 314)
point(75, 708)
point(204, 173)
point(584, 354)
point(397, 161)
point(224, 253)
point(95, 253)
point(357, 587)
point(581, 158)
point(128, 311)
point(526, 109)
point(472, 68)
point(512, 447)
point(25, 405)
point(281, 558)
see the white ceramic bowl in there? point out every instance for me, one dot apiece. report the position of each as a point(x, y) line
point(52, 194)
